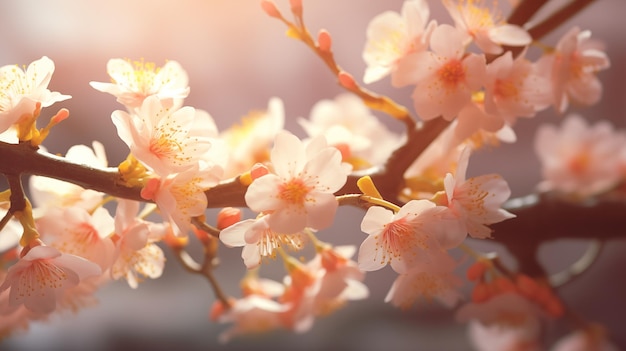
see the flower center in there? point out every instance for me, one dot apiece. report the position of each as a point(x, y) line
point(505, 89)
point(451, 73)
point(293, 192)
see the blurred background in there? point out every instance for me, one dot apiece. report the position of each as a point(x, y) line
point(237, 59)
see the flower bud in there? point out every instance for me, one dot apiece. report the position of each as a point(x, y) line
point(324, 40)
point(347, 81)
point(270, 8)
point(227, 217)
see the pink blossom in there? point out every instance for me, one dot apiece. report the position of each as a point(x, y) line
point(580, 159)
point(138, 255)
point(73, 230)
point(21, 90)
point(499, 338)
point(181, 196)
point(401, 239)
point(433, 279)
point(350, 126)
point(476, 201)
point(302, 287)
point(249, 141)
point(161, 138)
point(572, 68)
point(445, 77)
point(251, 315)
point(514, 88)
point(300, 191)
point(258, 240)
point(40, 278)
point(473, 119)
point(392, 36)
point(342, 280)
point(505, 322)
point(483, 25)
point(135, 81)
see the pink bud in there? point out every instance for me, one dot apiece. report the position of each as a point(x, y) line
point(258, 170)
point(149, 190)
point(296, 7)
point(227, 217)
point(270, 8)
point(347, 81)
point(324, 40)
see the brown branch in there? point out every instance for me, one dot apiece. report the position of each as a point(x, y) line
point(525, 11)
point(546, 218)
point(558, 18)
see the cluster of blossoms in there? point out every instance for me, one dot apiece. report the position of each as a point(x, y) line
point(453, 83)
point(71, 240)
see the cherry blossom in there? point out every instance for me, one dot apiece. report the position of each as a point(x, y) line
point(258, 240)
point(138, 254)
point(514, 88)
point(249, 141)
point(572, 68)
point(498, 338)
point(75, 231)
point(350, 126)
point(132, 82)
point(250, 315)
point(303, 284)
point(392, 36)
point(484, 26)
point(578, 158)
point(160, 138)
point(342, 280)
point(401, 239)
point(181, 196)
point(299, 193)
point(505, 320)
point(445, 77)
point(431, 279)
point(39, 279)
point(21, 90)
point(476, 201)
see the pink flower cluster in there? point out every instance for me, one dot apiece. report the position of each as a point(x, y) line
point(454, 83)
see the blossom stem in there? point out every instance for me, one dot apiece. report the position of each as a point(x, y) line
point(371, 99)
point(206, 270)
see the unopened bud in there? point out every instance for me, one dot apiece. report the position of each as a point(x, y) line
point(527, 286)
point(504, 285)
point(227, 217)
point(476, 271)
point(174, 241)
point(258, 170)
point(480, 293)
point(347, 81)
point(270, 8)
point(324, 40)
point(296, 7)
